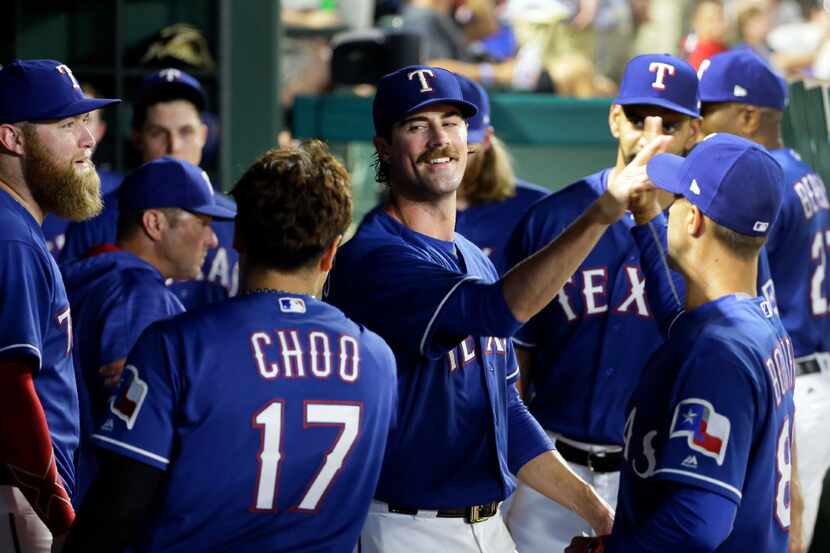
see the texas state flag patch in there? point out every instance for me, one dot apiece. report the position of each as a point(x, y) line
point(127, 403)
point(706, 431)
point(292, 305)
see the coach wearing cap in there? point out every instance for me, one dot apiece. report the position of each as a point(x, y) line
point(709, 427)
point(166, 207)
point(45, 167)
point(462, 432)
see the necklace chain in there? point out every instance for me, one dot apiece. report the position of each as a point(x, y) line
point(264, 291)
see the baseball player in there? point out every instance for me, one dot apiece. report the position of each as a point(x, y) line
point(259, 423)
point(165, 210)
point(708, 432)
point(438, 302)
point(45, 167)
point(54, 227)
point(167, 122)
point(743, 96)
point(571, 353)
point(491, 199)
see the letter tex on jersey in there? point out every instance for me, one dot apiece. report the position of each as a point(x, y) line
point(714, 410)
point(292, 401)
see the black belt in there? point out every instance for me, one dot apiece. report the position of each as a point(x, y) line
point(602, 461)
point(807, 366)
point(476, 513)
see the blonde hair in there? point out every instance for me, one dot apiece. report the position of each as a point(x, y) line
point(497, 180)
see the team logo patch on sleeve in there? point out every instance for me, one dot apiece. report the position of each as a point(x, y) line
point(126, 404)
point(706, 430)
point(292, 305)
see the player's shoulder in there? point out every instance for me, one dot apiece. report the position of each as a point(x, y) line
point(530, 192)
point(17, 226)
point(379, 238)
point(792, 165)
point(574, 197)
point(477, 262)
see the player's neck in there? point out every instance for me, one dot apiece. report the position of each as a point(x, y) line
point(23, 196)
point(435, 219)
point(718, 276)
point(300, 282)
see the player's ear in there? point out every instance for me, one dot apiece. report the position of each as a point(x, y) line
point(153, 223)
point(750, 119)
point(382, 147)
point(203, 134)
point(327, 259)
point(12, 139)
point(696, 134)
point(695, 223)
point(614, 119)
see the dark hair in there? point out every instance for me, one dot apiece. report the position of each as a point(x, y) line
point(168, 93)
point(381, 169)
point(130, 221)
point(292, 203)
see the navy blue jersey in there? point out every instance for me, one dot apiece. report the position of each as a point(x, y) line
point(35, 324)
point(270, 413)
point(114, 296)
point(797, 249)
point(490, 225)
point(54, 227)
point(581, 378)
point(714, 410)
point(220, 268)
point(457, 394)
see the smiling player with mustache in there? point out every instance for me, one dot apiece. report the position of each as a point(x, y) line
point(462, 432)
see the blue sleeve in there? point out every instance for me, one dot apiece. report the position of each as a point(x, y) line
point(139, 423)
point(417, 305)
point(713, 420)
point(136, 310)
point(525, 437)
point(665, 289)
point(27, 289)
point(687, 520)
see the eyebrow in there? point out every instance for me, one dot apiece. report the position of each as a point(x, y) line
point(445, 115)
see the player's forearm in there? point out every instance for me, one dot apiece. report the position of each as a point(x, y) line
point(665, 289)
point(26, 447)
point(533, 283)
point(552, 477)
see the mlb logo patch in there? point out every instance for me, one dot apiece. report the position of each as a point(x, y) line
point(706, 431)
point(126, 404)
point(292, 305)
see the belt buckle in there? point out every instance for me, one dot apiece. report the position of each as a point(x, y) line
point(590, 460)
point(474, 514)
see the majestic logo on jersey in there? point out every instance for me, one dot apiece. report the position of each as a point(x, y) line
point(126, 404)
point(706, 430)
point(422, 78)
point(661, 69)
point(690, 462)
point(292, 305)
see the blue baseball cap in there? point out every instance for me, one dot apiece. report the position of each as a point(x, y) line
point(660, 80)
point(412, 88)
point(733, 181)
point(741, 76)
point(170, 182)
point(40, 90)
point(477, 124)
point(166, 82)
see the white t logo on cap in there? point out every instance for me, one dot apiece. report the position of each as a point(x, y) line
point(170, 75)
point(422, 73)
point(64, 70)
point(661, 69)
point(704, 65)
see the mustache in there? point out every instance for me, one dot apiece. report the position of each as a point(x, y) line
point(445, 151)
